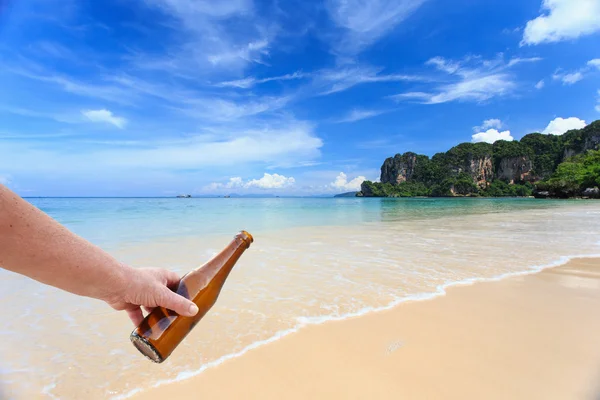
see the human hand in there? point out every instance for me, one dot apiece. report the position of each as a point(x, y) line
point(149, 288)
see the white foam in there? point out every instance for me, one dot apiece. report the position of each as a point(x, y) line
point(306, 321)
point(46, 390)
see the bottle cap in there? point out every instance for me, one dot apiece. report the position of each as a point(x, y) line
point(246, 237)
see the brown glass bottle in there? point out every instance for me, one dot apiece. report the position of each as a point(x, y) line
point(163, 330)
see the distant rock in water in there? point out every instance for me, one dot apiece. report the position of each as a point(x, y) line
point(592, 193)
point(184, 196)
point(541, 194)
point(347, 194)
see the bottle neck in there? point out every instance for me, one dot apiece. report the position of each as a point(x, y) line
point(216, 270)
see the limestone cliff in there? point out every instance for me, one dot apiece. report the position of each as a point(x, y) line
point(481, 169)
point(580, 141)
point(504, 168)
point(398, 169)
point(515, 169)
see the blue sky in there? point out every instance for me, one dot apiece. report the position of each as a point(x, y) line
point(160, 97)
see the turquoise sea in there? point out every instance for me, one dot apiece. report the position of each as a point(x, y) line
point(111, 222)
point(313, 260)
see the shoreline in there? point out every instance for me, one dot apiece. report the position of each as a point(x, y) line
point(188, 378)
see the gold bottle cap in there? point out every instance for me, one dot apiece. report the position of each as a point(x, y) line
point(246, 237)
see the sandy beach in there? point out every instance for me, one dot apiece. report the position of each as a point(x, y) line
point(316, 296)
point(528, 337)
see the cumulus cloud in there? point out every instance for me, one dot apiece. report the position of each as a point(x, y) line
point(594, 63)
point(559, 126)
point(104, 116)
point(487, 124)
point(563, 20)
point(341, 182)
point(268, 181)
point(491, 136)
point(5, 179)
point(540, 84)
point(271, 181)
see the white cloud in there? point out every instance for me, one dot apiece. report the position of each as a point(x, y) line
point(187, 10)
point(222, 110)
point(268, 181)
point(568, 79)
point(251, 52)
point(341, 182)
point(594, 63)
point(540, 84)
point(339, 80)
point(113, 93)
point(363, 22)
point(518, 60)
point(559, 126)
point(249, 82)
point(491, 136)
point(477, 80)
point(574, 77)
point(563, 20)
point(359, 114)
point(234, 182)
point(286, 142)
point(475, 89)
point(487, 124)
point(55, 50)
point(104, 116)
point(128, 89)
point(442, 64)
point(207, 41)
point(60, 117)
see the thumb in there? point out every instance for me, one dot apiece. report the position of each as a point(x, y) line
point(177, 303)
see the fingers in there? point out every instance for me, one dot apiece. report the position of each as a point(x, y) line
point(177, 303)
point(172, 279)
point(136, 316)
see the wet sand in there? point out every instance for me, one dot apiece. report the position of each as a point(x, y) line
point(526, 337)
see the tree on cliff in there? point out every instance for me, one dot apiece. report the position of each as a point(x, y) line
point(574, 175)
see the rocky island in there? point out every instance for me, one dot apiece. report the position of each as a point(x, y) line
point(545, 166)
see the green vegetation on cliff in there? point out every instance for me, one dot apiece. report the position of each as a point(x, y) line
point(506, 168)
point(547, 152)
point(377, 189)
point(573, 176)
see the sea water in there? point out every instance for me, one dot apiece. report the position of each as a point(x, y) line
point(313, 260)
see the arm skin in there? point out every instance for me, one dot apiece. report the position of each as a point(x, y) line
point(35, 245)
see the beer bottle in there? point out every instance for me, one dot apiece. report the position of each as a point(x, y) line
point(163, 330)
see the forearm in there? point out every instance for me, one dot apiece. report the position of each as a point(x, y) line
point(35, 245)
